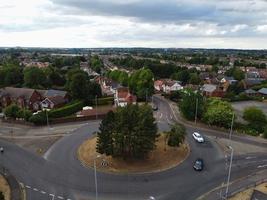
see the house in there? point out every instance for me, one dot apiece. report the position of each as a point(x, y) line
point(263, 92)
point(167, 85)
point(229, 80)
point(53, 102)
point(33, 99)
point(108, 86)
point(123, 97)
point(23, 97)
point(211, 90)
point(250, 92)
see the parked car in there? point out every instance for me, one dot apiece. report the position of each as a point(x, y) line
point(198, 137)
point(199, 164)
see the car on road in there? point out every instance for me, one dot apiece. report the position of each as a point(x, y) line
point(199, 164)
point(198, 137)
point(155, 107)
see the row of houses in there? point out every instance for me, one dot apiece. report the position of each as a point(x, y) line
point(33, 99)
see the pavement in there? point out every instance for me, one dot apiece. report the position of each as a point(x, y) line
point(58, 174)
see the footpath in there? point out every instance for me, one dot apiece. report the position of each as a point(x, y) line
point(237, 186)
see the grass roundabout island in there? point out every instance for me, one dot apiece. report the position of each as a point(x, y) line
point(163, 157)
point(4, 189)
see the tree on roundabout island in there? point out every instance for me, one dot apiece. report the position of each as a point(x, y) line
point(176, 136)
point(129, 133)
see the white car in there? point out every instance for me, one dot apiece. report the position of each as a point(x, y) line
point(199, 138)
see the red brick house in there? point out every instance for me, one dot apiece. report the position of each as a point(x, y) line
point(23, 97)
point(123, 97)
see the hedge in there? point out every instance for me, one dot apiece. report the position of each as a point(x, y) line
point(67, 110)
point(104, 101)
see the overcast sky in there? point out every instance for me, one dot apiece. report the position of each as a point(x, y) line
point(134, 23)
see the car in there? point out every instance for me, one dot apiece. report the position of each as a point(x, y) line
point(155, 107)
point(199, 164)
point(198, 137)
point(2, 149)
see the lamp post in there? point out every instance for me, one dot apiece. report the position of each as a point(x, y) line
point(96, 107)
point(96, 189)
point(232, 124)
point(196, 111)
point(229, 172)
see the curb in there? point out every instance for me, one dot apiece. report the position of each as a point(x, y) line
point(15, 187)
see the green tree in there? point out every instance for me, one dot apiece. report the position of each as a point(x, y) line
point(130, 132)
point(265, 132)
point(78, 86)
point(2, 197)
point(11, 111)
point(255, 117)
point(24, 114)
point(188, 103)
point(194, 79)
point(176, 135)
point(218, 113)
point(182, 76)
point(34, 77)
point(141, 83)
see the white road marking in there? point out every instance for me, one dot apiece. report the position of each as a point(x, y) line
point(160, 115)
point(262, 166)
point(35, 189)
point(43, 192)
point(247, 158)
point(60, 197)
point(28, 186)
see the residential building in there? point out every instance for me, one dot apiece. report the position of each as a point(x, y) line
point(263, 92)
point(167, 85)
point(123, 97)
point(211, 90)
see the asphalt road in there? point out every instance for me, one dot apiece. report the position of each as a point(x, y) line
point(59, 175)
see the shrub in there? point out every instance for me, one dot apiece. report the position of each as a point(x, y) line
point(265, 132)
point(11, 111)
point(176, 135)
point(24, 114)
point(66, 110)
point(104, 101)
point(38, 119)
point(255, 117)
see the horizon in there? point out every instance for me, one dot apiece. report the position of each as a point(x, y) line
point(239, 24)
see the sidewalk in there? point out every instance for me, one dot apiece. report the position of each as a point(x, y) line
point(203, 126)
point(236, 186)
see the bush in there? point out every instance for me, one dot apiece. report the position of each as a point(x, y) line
point(38, 119)
point(265, 132)
point(104, 101)
point(67, 110)
point(11, 111)
point(176, 135)
point(24, 114)
point(255, 117)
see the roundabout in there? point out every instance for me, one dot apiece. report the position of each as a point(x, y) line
point(161, 158)
point(59, 174)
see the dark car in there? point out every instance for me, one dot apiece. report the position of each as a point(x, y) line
point(199, 164)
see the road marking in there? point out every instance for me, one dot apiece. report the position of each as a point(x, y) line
point(247, 158)
point(43, 192)
point(262, 166)
point(29, 187)
point(160, 115)
point(35, 189)
point(60, 197)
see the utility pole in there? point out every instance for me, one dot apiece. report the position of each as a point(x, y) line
point(96, 107)
point(96, 189)
point(229, 172)
point(232, 124)
point(196, 111)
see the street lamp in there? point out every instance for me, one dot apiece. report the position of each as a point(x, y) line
point(232, 124)
point(229, 172)
point(96, 191)
point(96, 107)
point(196, 111)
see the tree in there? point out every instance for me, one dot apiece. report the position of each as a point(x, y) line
point(188, 102)
point(24, 114)
point(176, 135)
point(237, 73)
point(34, 77)
point(194, 79)
point(130, 132)
point(141, 83)
point(265, 132)
point(2, 197)
point(218, 113)
point(255, 117)
point(11, 111)
point(78, 86)
point(182, 76)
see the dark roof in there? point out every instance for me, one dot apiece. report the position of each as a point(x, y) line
point(250, 91)
point(18, 92)
point(52, 93)
point(209, 88)
point(57, 100)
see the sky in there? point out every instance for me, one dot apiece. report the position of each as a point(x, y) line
point(239, 24)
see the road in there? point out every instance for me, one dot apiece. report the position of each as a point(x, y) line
point(60, 173)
